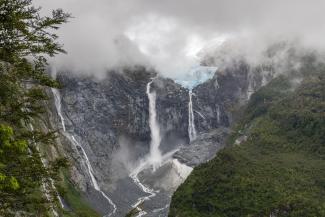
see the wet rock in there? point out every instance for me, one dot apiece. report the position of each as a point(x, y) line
point(106, 115)
point(203, 148)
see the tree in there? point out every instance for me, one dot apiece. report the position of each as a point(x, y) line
point(26, 39)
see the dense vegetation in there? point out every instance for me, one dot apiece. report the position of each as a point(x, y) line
point(279, 170)
point(26, 38)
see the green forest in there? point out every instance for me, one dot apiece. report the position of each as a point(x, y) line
point(278, 169)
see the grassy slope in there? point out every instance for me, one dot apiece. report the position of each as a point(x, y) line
point(72, 196)
point(280, 169)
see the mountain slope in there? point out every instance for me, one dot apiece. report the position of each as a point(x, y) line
point(275, 165)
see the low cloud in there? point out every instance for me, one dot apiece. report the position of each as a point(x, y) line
point(169, 34)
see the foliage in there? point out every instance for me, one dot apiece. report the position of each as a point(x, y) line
point(78, 206)
point(26, 38)
point(278, 171)
point(135, 211)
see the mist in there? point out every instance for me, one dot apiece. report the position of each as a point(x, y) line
point(173, 36)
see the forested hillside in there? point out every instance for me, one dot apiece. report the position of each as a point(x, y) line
point(275, 162)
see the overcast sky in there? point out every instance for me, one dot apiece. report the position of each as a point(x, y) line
point(169, 34)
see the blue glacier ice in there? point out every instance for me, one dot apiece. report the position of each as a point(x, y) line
point(196, 75)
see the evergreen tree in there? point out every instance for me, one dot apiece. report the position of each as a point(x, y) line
point(26, 39)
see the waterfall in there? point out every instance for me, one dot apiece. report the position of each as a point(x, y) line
point(144, 188)
point(183, 172)
point(154, 158)
point(218, 114)
point(57, 100)
point(200, 114)
point(250, 89)
point(191, 123)
point(155, 154)
point(91, 174)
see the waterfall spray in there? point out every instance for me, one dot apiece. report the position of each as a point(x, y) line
point(191, 123)
point(57, 100)
point(155, 157)
point(155, 154)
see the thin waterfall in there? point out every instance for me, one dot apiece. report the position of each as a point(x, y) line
point(57, 100)
point(200, 114)
point(155, 154)
point(250, 88)
point(191, 124)
point(218, 114)
point(91, 174)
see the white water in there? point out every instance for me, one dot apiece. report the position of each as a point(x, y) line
point(183, 172)
point(191, 124)
point(154, 158)
point(218, 114)
point(155, 154)
point(92, 177)
point(57, 99)
point(250, 89)
point(199, 113)
point(160, 209)
point(151, 192)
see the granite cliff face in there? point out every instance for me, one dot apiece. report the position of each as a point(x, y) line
point(108, 118)
point(103, 112)
point(216, 99)
point(215, 107)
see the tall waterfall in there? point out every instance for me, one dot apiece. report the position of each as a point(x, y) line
point(155, 154)
point(191, 123)
point(57, 100)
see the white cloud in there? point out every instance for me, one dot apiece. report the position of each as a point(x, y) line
point(169, 34)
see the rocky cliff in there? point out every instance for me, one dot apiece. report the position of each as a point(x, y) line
point(108, 121)
point(216, 103)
